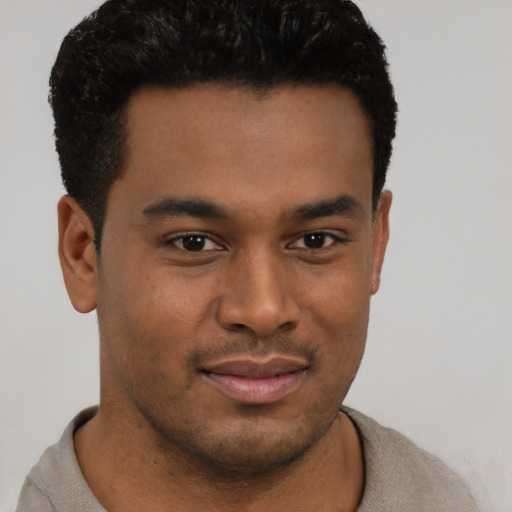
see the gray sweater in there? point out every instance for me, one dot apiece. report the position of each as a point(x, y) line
point(399, 476)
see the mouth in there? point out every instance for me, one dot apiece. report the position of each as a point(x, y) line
point(252, 381)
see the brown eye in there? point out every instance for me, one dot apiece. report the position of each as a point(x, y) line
point(314, 240)
point(194, 242)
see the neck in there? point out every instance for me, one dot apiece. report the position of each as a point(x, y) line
point(128, 468)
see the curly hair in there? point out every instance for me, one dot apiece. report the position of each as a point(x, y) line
point(129, 44)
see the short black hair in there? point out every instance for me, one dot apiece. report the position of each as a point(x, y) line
point(129, 44)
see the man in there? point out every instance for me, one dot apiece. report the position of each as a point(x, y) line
point(225, 164)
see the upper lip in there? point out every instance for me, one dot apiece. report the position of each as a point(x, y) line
point(257, 368)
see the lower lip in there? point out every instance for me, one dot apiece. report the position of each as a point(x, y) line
point(249, 390)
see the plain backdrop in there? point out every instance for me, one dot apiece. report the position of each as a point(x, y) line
point(438, 365)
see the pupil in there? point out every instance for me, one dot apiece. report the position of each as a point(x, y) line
point(194, 242)
point(314, 240)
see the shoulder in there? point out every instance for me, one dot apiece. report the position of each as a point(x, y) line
point(56, 483)
point(33, 498)
point(402, 477)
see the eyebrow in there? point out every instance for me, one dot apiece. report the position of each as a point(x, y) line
point(343, 205)
point(170, 207)
point(174, 207)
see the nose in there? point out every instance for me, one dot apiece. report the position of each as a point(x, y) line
point(258, 296)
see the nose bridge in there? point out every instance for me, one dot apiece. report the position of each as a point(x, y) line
point(259, 295)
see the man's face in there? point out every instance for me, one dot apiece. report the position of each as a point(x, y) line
point(238, 258)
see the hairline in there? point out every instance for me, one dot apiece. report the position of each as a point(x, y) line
point(261, 91)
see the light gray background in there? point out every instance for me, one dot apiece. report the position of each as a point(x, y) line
point(438, 366)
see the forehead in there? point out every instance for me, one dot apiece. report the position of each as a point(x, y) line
point(232, 145)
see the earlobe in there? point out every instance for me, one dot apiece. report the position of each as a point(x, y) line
point(380, 236)
point(77, 254)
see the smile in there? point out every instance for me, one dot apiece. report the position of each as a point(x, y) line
point(257, 382)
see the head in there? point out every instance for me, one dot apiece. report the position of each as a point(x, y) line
point(230, 157)
point(131, 44)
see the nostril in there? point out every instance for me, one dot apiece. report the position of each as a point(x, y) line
point(257, 311)
point(238, 327)
point(288, 325)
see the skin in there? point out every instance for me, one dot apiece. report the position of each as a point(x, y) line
point(256, 177)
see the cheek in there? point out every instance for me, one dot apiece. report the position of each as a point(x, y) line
point(338, 306)
point(150, 318)
point(338, 296)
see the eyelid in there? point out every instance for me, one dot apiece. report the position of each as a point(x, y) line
point(336, 239)
point(171, 241)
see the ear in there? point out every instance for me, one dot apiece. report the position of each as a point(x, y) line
point(77, 254)
point(380, 236)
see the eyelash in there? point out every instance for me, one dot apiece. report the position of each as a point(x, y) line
point(173, 241)
point(336, 240)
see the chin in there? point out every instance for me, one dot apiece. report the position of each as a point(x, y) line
point(249, 456)
point(248, 450)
